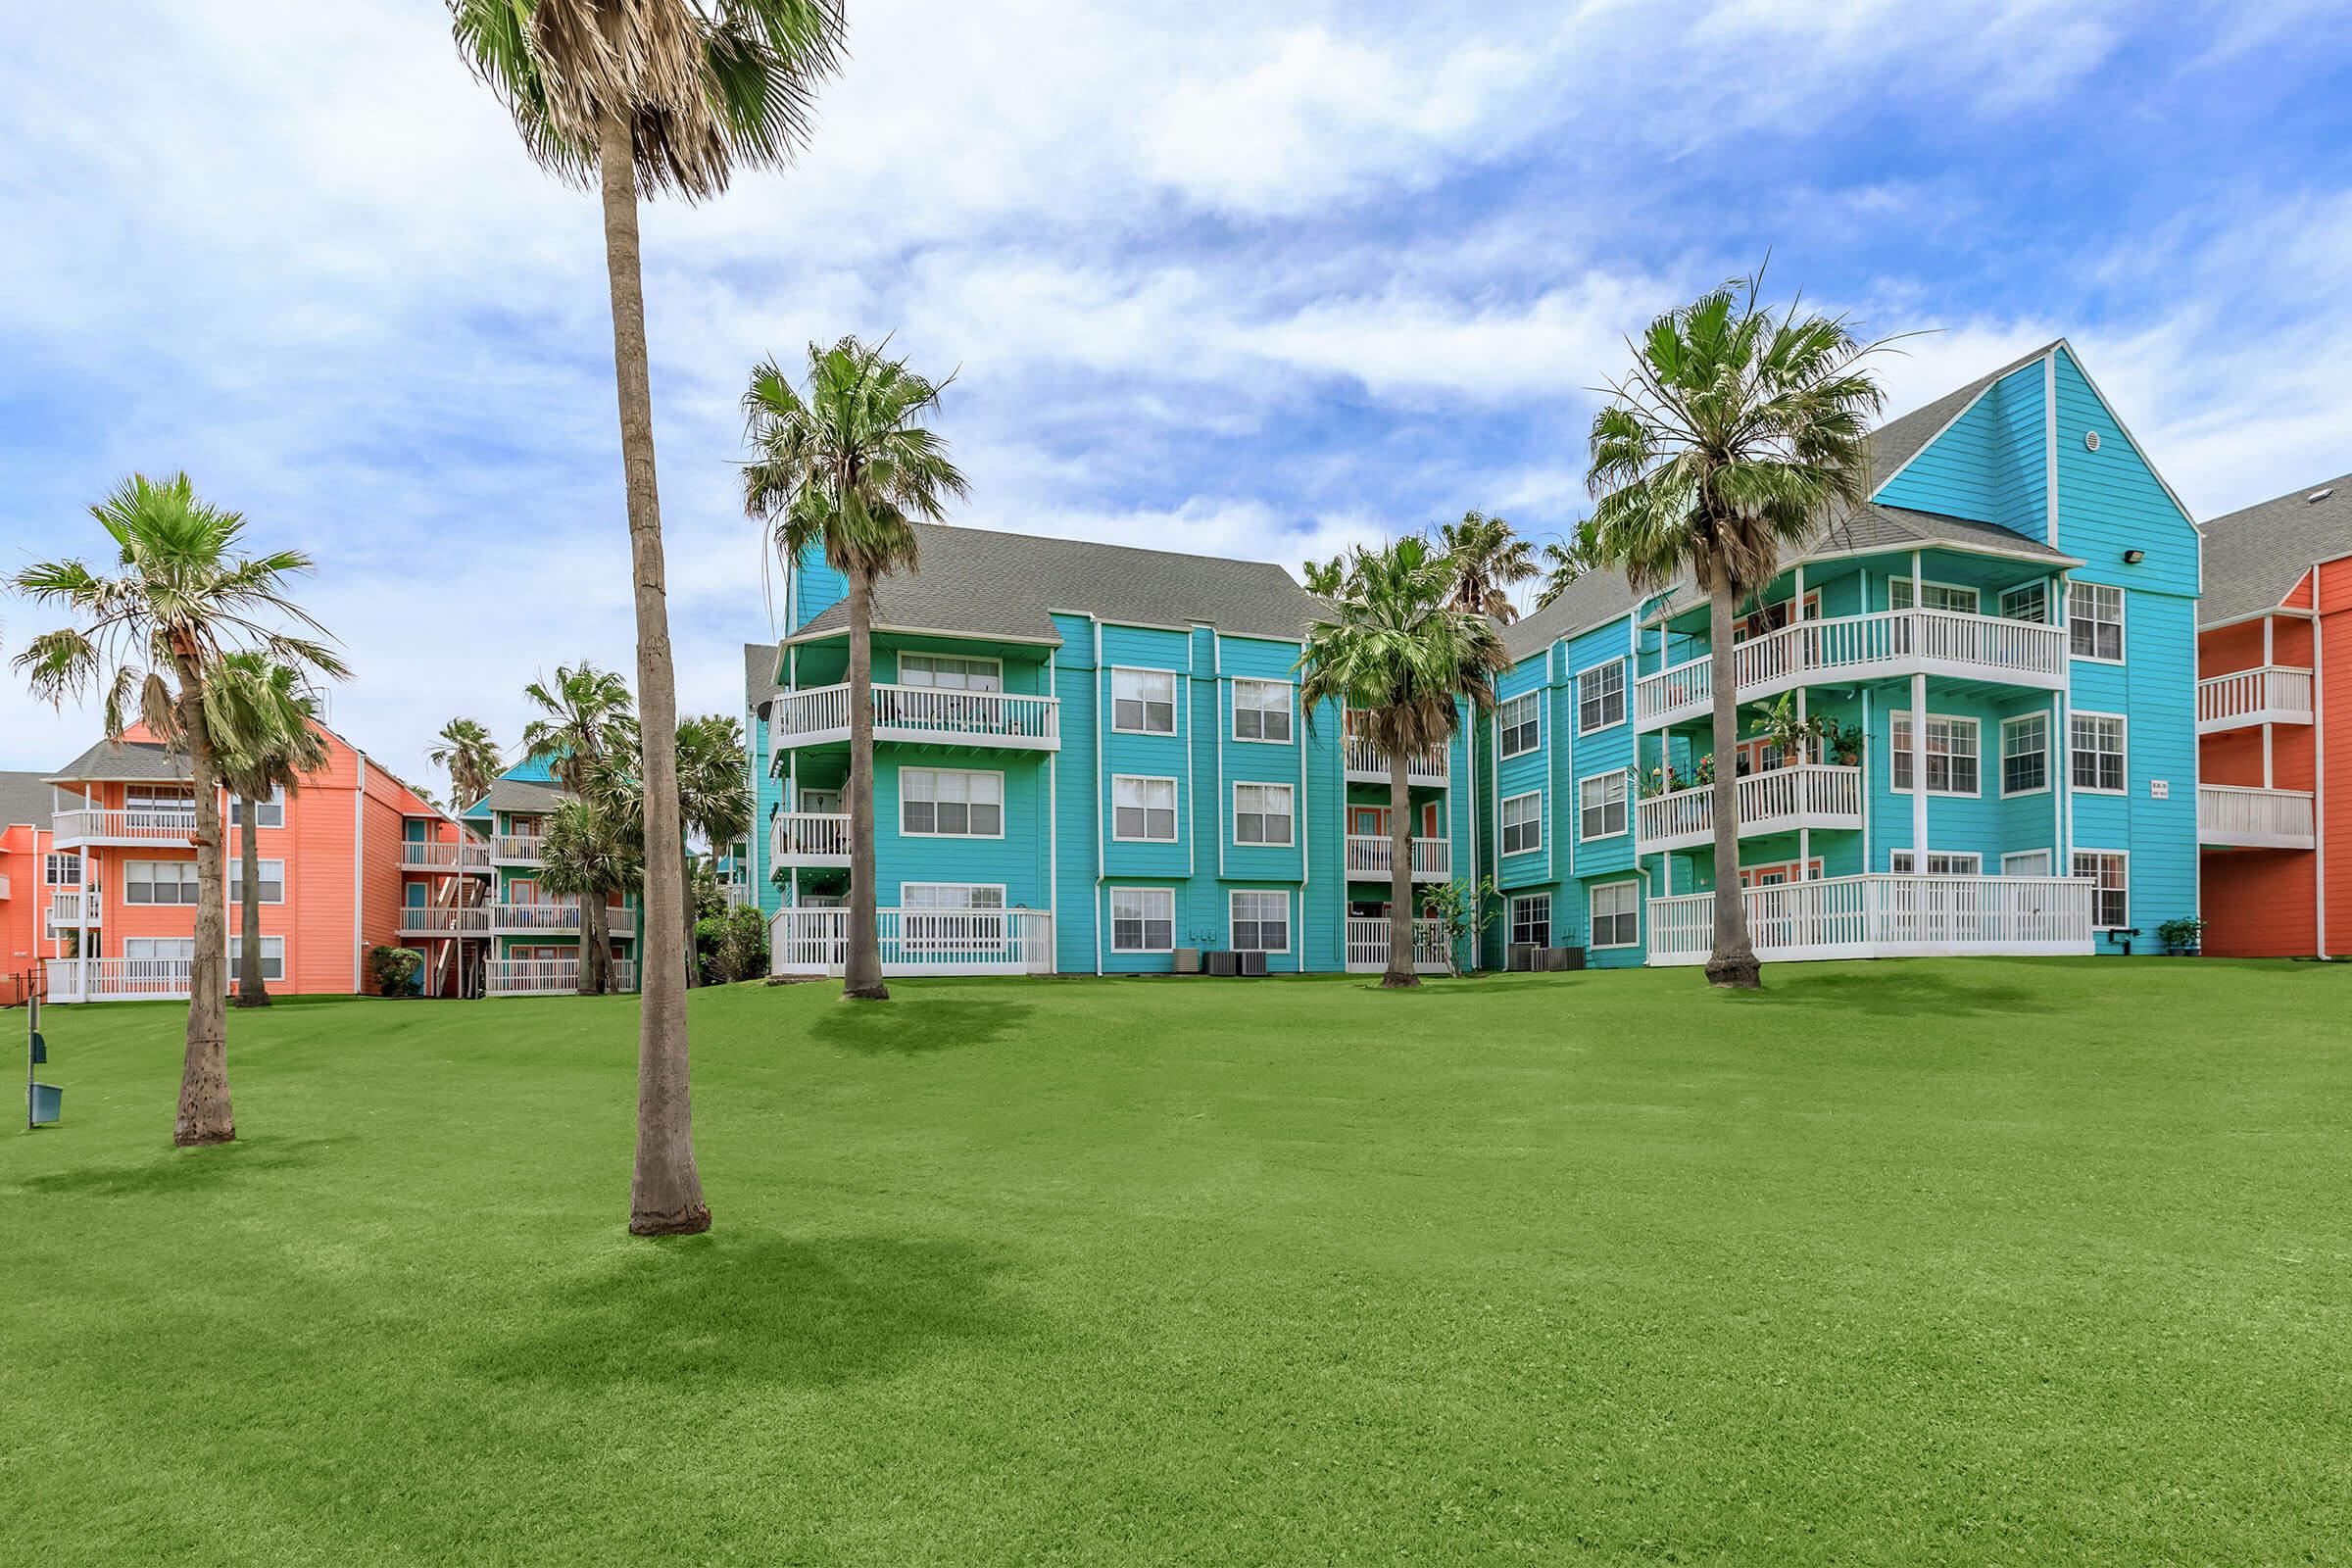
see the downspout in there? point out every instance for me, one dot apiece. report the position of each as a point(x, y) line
point(359, 852)
point(2318, 771)
point(1216, 704)
point(1053, 817)
point(1306, 835)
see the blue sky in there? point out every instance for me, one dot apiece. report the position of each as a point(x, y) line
point(1247, 278)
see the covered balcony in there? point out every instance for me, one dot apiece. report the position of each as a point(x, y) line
point(1885, 917)
point(70, 910)
point(548, 978)
point(468, 854)
point(558, 917)
point(514, 849)
point(916, 942)
point(445, 920)
point(921, 716)
point(1374, 856)
point(1366, 765)
point(137, 829)
point(810, 838)
point(2230, 817)
point(2267, 694)
point(1368, 946)
point(1810, 795)
point(117, 979)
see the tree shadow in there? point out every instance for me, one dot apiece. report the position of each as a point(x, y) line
point(915, 1025)
point(1888, 992)
point(183, 1170)
point(776, 1313)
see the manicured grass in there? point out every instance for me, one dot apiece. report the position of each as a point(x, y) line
point(1972, 1261)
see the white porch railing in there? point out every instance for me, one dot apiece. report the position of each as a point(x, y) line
point(1885, 643)
point(1368, 946)
point(1877, 916)
point(70, 910)
point(516, 849)
point(117, 979)
point(1372, 854)
point(545, 915)
point(922, 714)
point(543, 977)
point(916, 942)
point(445, 920)
point(2267, 694)
point(107, 825)
point(468, 854)
point(2255, 820)
point(1817, 795)
point(1367, 766)
point(810, 838)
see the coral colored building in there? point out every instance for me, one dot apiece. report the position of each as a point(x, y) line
point(23, 894)
point(2274, 726)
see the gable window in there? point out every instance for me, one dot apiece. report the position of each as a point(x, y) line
point(1261, 814)
point(1939, 863)
point(1142, 809)
point(1522, 722)
point(1261, 712)
point(2096, 742)
point(1143, 919)
point(2094, 619)
point(1523, 822)
point(1600, 696)
point(159, 882)
point(1531, 921)
point(1951, 755)
point(1615, 916)
point(2025, 753)
point(1932, 595)
point(2031, 601)
point(2111, 900)
point(1601, 806)
point(61, 870)
point(1142, 702)
point(946, 672)
point(1261, 922)
point(943, 802)
point(271, 813)
point(274, 956)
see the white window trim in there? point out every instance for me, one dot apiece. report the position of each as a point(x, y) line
point(1510, 924)
point(2124, 856)
point(236, 880)
point(1925, 583)
point(1582, 837)
point(2123, 722)
point(1232, 824)
point(1003, 809)
point(2123, 622)
point(1624, 697)
point(1175, 793)
point(1175, 700)
point(1592, 890)
point(236, 939)
point(1289, 937)
point(130, 879)
point(2019, 855)
point(1233, 719)
point(1503, 725)
point(1895, 748)
point(1111, 919)
point(1895, 855)
point(905, 653)
point(1502, 823)
point(1000, 907)
point(2000, 601)
point(2048, 759)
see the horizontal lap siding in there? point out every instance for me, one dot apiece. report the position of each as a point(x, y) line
point(1989, 464)
point(2258, 903)
point(2334, 663)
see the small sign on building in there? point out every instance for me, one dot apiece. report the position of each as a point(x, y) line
point(2160, 789)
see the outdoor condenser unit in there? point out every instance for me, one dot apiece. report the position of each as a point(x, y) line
point(1523, 956)
point(1252, 963)
point(1564, 958)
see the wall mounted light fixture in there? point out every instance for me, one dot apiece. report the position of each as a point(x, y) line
point(2133, 557)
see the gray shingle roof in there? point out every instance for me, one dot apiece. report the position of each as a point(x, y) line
point(137, 761)
point(982, 583)
point(24, 797)
point(520, 795)
point(2255, 557)
point(759, 674)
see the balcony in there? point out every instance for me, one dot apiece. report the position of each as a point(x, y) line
point(916, 942)
point(1858, 648)
point(1812, 795)
point(446, 919)
point(1368, 946)
point(514, 849)
point(2232, 817)
point(548, 978)
point(2267, 694)
point(810, 838)
point(70, 910)
point(921, 716)
point(1367, 766)
point(139, 829)
point(468, 854)
point(546, 916)
point(117, 979)
point(1879, 917)
point(1373, 855)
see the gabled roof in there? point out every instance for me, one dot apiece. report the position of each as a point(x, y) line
point(2255, 557)
point(24, 797)
point(126, 761)
point(978, 582)
point(759, 675)
point(520, 795)
point(1896, 443)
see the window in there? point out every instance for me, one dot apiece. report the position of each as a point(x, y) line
point(271, 813)
point(1522, 719)
point(1939, 863)
point(273, 881)
point(2025, 753)
point(159, 882)
point(1523, 822)
point(1142, 702)
point(951, 918)
point(1261, 814)
point(1531, 921)
point(2026, 863)
point(61, 870)
point(937, 803)
point(1616, 917)
point(274, 956)
point(1951, 755)
point(2111, 900)
point(2096, 742)
point(1601, 806)
point(950, 675)
point(166, 950)
point(1600, 696)
point(1143, 920)
point(1932, 595)
point(2028, 603)
point(1261, 712)
point(950, 895)
point(2094, 617)
point(1779, 874)
point(1261, 922)
point(159, 798)
point(1142, 809)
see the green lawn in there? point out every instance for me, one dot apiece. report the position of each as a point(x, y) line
point(1971, 1262)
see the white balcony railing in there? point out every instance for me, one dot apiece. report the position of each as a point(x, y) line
point(445, 920)
point(1811, 795)
point(117, 979)
point(70, 909)
point(1877, 916)
point(468, 854)
point(1888, 643)
point(1372, 854)
point(2267, 694)
point(923, 714)
point(916, 942)
point(1367, 764)
point(516, 849)
point(2256, 819)
point(548, 915)
point(1368, 946)
point(810, 838)
point(107, 825)
point(548, 978)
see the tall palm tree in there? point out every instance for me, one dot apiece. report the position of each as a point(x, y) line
point(1400, 653)
point(848, 467)
point(715, 795)
point(1739, 430)
point(1564, 562)
point(590, 849)
point(1489, 558)
point(464, 751)
point(185, 598)
point(267, 742)
point(671, 95)
point(585, 721)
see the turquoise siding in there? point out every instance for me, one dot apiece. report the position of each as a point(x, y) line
point(1988, 466)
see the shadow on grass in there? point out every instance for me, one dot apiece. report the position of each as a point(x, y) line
point(912, 1025)
point(183, 1170)
point(807, 1313)
point(1887, 992)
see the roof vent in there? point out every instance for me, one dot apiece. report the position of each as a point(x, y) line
point(2321, 495)
point(2090, 440)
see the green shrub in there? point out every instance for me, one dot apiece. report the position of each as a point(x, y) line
point(395, 969)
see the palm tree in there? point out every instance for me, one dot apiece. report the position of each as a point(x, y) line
point(1739, 430)
point(848, 467)
point(586, 722)
point(184, 600)
point(1487, 559)
point(464, 751)
point(671, 94)
point(590, 850)
point(1564, 562)
point(1399, 652)
point(715, 795)
point(1325, 578)
point(267, 742)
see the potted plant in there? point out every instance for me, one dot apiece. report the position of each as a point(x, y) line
point(1188, 960)
point(2183, 936)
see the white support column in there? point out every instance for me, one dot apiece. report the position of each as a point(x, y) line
point(1919, 764)
point(1804, 835)
point(2267, 651)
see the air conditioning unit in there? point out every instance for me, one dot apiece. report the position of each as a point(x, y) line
point(1227, 964)
point(1252, 963)
point(1564, 958)
point(1522, 957)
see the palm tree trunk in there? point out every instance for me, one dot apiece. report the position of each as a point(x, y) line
point(1732, 963)
point(694, 958)
point(596, 945)
point(250, 991)
point(666, 1192)
point(205, 1116)
point(1401, 877)
point(861, 964)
